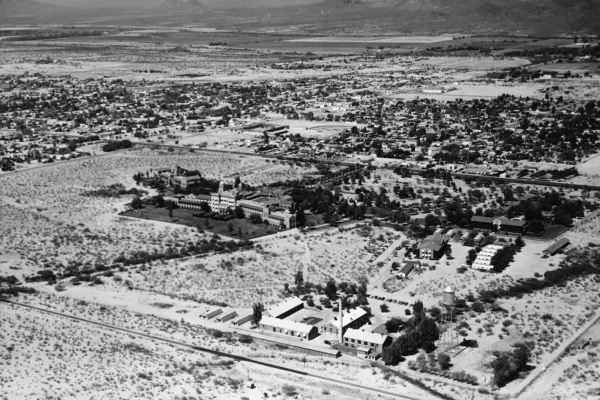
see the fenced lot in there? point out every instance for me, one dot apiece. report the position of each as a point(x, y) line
point(186, 217)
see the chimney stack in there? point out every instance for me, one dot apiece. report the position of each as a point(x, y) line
point(341, 333)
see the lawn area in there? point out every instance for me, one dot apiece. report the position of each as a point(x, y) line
point(186, 217)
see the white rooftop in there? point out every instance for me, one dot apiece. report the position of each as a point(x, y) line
point(367, 336)
point(285, 306)
point(287, 325)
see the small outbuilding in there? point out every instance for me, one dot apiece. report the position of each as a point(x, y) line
point(212, 313)
point(227, 317)
point(556, 246)
point(243, 320)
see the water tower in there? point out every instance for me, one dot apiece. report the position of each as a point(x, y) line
point(449, 337)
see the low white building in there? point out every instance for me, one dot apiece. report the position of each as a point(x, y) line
point(484, 257)
point(365, 341)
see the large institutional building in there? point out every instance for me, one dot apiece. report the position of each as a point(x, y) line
point(270, 207)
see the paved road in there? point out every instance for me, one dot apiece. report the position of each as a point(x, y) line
point(215, 352)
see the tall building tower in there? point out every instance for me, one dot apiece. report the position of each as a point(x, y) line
point(341, 327)
point(449, 336)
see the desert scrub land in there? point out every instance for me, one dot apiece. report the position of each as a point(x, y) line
point(63, 355)
point(50, 219)
point(66, 353)
point(260, 275)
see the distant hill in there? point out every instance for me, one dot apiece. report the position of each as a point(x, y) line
point(546, 16)
point(341, 3)
point(182, 4)
point(543, 17)
point(17, 11)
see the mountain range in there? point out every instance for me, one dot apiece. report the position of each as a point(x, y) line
point(415, 16)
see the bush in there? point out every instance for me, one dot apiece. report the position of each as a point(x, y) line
point(217, 334)
point(444, 361)
point(117, 145)
point(289, 390)
point(384, 307)
point(246, 339)
point(393, 325)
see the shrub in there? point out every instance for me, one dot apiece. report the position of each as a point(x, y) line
point(289, 390)
point(246, 339)
point(217, 334)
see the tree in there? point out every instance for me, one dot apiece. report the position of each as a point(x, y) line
point(239, 212)
point(502, 370)
point(432, 360)
point(435, 313)
point(299, 279)
point(300, 217)
point(422, 361)
point(170, 210)
point(331, 289)
point(257, 310)
point(443, 361)
point(255, 219)
point(429, 333)
point(230, 227)
point(393, 325)
point(448, 252)
point(520, 356)
point(384, 307)
point(418, 311)
point(136, 203)
point(431, 220)
point(519, 242)
point(159, 201)
point(392, 354)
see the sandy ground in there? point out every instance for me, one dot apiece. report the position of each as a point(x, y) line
point(47, 219)
point(66, 352)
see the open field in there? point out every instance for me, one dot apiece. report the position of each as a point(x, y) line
point(186, 217)
point(243, 278)
point(153, 368)
point(35, 230)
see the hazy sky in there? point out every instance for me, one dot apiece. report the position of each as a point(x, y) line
point(150, 3)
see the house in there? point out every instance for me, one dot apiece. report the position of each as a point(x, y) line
point(407, 267)
point(556, 246)
point(366, 342)
point(432, 247)
point(286, 308)
point(353, 319)
point(296, 330)
point(498, 224)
